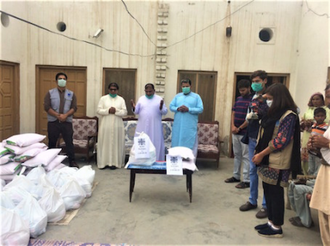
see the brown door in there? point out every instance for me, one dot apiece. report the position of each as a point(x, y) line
point(125, 78)
point(76, 82)
point(9, 99)
point(204, 84)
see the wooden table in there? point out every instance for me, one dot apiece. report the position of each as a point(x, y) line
point(156, 168)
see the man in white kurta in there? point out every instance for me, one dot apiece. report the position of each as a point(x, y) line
point(150, 109)
point(111, 135)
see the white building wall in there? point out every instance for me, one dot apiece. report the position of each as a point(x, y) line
point(299, 46)
point(312, 52)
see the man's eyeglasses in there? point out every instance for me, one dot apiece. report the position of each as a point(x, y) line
point(112, 89)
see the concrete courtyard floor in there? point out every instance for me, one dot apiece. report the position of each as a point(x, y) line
point(160, 212)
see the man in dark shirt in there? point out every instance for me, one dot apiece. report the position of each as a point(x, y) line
point(60, 105)
point(256, 110)
point(238, 128)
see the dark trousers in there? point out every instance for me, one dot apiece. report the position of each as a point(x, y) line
point(274, 195)
point(65, 128)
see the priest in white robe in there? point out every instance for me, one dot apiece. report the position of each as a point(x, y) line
point(111, 135)
point(150, 109)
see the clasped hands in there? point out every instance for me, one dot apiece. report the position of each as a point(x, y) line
point(183, 109)
point(317, 142)
point(62, 117)
point(112, 110)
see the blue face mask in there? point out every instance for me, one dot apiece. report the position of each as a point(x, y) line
point(112, 95)
point(257, 87)
point(150, 97)
point(186, 90)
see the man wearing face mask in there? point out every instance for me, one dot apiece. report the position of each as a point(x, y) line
point(257, 109)
point(60, 104)
point(150, 109)
point(186, 106)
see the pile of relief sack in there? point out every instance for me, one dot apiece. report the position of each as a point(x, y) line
point(36, 188)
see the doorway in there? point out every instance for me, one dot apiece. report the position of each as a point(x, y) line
point(283, 78)
point(204, 84)
point(125, 78)
point(76, 82)
point(9, 99)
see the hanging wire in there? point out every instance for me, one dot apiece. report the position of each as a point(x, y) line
point(309, 9)
point(138, 23)
point(213, 24)
point(75, 39)
point(122, 52)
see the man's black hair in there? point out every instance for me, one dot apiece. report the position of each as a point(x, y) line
point(186, 81)
point(243, 83)
point(259, 73)
point(58, 74)
point(114, 85)
point(149, 84)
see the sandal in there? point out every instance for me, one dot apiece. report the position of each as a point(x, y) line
point(243, 185)
point(232, 180)
point(293, 218)
point(297, 222)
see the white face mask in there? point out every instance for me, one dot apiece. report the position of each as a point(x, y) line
point(61, 82)
point(269, 103)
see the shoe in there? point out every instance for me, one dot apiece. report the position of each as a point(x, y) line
point(73, 164)
point(113, 167)
point(247, 206)
point(262, 213)
point(261, 226)
point(270, 232)
point(243, 185)
point(232, 180)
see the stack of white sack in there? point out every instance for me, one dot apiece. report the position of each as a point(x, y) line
point(16, 150)
point(187, 155)
point(41, 197)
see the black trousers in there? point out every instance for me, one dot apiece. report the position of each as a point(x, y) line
point(65, 128)
point(274, 195)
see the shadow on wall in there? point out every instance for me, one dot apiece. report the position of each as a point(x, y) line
point(225, 146)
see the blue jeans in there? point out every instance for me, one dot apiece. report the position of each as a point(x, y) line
point(254, 179)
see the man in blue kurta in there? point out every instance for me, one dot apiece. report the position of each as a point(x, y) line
point(186, 106)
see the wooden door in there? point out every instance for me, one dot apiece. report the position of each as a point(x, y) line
point(9, 99)
point(204, 84)
point(76, 82)
point(125, 78)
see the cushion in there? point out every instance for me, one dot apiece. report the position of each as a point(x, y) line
point(82, 128)
point(207, 148)
point(25, 139)
point(167, 131)
point(208, 133)
point(43, 158)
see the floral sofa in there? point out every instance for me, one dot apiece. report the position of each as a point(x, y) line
point(208, 137)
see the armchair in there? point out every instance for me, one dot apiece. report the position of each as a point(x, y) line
point(85, 131)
